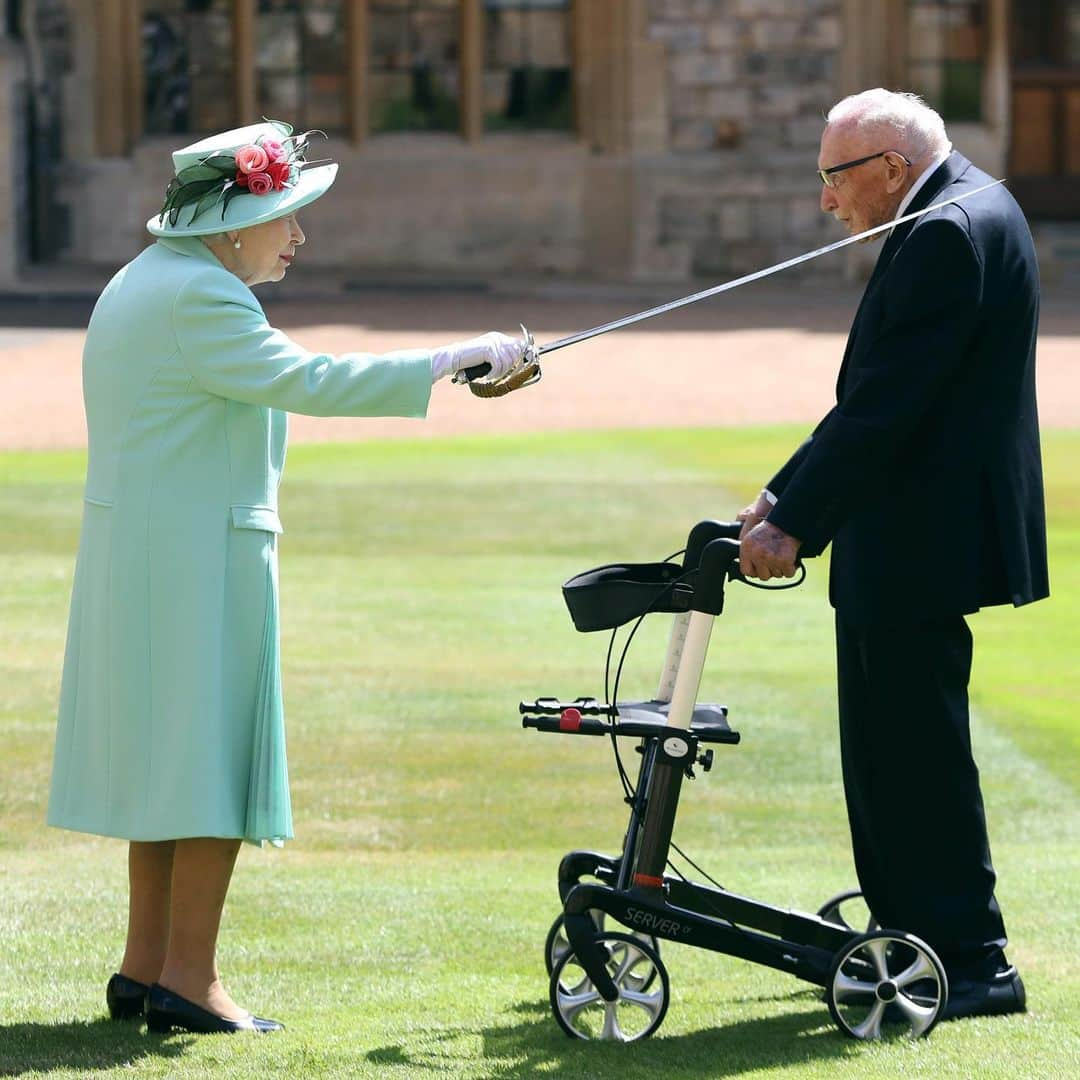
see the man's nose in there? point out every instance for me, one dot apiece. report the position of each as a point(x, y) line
point(828, 199)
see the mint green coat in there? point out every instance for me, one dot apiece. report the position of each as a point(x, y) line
point(171, 722)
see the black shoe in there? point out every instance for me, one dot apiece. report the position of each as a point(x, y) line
point(997, 996)
point(166, 1010)
point(125, 997)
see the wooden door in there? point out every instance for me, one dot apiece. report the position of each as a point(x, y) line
point(1044, 159)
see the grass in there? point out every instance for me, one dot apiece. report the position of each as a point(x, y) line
point(401, 934)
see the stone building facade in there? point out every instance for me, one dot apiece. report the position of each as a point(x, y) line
point(651, 140)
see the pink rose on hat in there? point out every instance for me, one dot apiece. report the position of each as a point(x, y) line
point(274, 150)
point(251, 159)
point(262, 168)
point(259, 183)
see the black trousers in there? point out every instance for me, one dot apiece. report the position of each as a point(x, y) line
point(918, 828)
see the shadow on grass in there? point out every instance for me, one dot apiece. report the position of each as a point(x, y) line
point(535, 1048)
point(79, 1045)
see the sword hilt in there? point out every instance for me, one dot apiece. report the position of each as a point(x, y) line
point(467, 375)
point(524, 373)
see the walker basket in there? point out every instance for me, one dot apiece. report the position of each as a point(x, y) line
point(610, 596)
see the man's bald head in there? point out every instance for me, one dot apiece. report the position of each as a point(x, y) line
point(901, 121)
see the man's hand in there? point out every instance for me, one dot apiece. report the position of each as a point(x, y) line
point(756, 512)
point(766, 551)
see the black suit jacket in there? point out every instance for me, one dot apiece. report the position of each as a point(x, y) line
point(927, 476)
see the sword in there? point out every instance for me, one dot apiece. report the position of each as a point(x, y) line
point(532, 352)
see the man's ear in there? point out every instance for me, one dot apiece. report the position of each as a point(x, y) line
point(896, 173)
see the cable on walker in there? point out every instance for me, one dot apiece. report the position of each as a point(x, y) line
point(612, 984)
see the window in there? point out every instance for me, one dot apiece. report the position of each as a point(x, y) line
point(946, 52)
point(300, 63)
point(187, 48)
point(1047, 35)
point(527, 65)
point(356, 66)
point(413, 76)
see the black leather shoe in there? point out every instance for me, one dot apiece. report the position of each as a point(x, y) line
point(166, 1010)
point(125, 997)
point(1002, 994)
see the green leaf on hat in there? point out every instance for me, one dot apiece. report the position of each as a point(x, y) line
point(196, 190)
point(278, 124)
point(200, 172)
point(180, 195)
point(206, 202)
point(230, 193)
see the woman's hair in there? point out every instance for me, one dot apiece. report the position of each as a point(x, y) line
point(903, 119)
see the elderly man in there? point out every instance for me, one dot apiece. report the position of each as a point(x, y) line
point(926, 477)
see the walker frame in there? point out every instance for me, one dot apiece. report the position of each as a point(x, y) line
point(613, 985)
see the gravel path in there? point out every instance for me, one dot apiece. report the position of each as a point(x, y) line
point(768, 356)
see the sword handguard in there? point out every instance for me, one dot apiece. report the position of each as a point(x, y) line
point(524, 373)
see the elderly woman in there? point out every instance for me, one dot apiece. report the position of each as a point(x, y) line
point(171, 729)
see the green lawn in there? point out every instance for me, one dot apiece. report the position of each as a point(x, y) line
point(400, 935)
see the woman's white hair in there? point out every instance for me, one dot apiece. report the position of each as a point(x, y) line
point(904, 119)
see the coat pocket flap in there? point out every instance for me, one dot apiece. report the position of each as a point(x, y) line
point(256, 517)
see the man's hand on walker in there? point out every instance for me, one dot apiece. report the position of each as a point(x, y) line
point(766, 551)
point(756, 512)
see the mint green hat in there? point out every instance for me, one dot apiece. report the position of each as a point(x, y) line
point(239, 178)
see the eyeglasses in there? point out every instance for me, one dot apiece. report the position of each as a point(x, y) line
point(827, 174)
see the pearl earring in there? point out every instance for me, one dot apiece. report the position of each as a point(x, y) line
point(236, 243)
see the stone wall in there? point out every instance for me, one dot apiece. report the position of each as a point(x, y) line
point(748, 82)
point(417, 203)
point(747, 75)
point(697, 159)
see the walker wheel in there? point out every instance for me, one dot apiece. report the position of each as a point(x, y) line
point(557, 946)
point(583, 1014)
point(849, 909)
point(886, 977)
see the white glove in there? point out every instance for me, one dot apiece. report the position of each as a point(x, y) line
point(501, 351)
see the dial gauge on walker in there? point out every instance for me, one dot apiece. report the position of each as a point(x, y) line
point(675, 747)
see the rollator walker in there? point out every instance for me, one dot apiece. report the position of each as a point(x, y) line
point(612, 984)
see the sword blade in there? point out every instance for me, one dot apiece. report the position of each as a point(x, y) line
point(757, 275)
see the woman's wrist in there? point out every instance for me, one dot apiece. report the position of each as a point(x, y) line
point(442, 364)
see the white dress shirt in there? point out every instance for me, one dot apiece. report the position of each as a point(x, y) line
point(932, 168)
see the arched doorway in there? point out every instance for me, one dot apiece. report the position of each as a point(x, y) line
point(1044, 165)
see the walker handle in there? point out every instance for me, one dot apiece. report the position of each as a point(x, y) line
point(717, 560)
point(703, 534)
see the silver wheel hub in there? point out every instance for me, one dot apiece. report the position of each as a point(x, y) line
point(887, 978)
